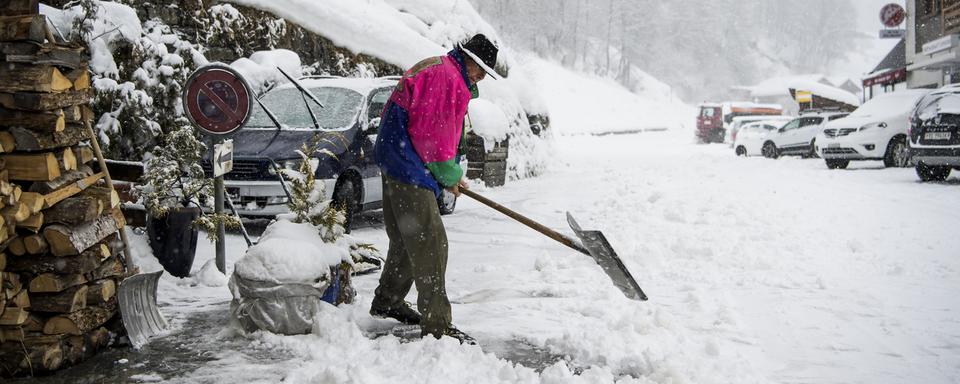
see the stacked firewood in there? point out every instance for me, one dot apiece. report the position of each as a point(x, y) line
point(59, 222)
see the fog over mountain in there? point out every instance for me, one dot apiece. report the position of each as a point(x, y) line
point(700, 47)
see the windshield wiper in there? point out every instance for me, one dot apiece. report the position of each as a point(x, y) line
point(276, 122)
point(304, 92)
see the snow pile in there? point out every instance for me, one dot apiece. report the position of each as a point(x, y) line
point(289, 252)
point(210, 276)
point(401, 32)
point(488, 121)
point(260, 70)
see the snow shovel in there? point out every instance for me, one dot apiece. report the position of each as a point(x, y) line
point(592, 243)
point(137, 294)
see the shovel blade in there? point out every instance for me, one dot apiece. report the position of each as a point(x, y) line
point(601, 251)
point(137, 297)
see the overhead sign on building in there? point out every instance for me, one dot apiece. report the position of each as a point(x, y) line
point(804, 96)
point(941, 44)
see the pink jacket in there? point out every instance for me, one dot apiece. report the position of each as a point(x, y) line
point(435, 97)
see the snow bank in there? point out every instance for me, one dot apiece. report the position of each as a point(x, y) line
point(399, 32)
point(488, 121)
point(580, 103)
point(290, 253)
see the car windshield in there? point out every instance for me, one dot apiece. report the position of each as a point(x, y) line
point(340, 107)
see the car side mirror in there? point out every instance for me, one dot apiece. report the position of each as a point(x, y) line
point(780, 130)
point(373, 126)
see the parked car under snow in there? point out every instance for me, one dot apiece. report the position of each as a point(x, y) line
point(875, 131)
point(751, 137)
point(935, 134)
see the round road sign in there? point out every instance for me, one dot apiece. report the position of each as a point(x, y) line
point(892, 15)
point(217, 100)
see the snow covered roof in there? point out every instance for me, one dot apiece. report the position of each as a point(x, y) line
point(780, 86)
point(818, 84)
point(400, 32)
point(826, 91)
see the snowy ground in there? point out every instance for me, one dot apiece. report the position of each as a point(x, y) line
point(758, 271)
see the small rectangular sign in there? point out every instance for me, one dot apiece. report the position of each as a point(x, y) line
point(893, 33)
point(223, 158)
point(804, 96)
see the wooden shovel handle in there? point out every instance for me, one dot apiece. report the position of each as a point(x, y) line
point(561, 238)
point(103, 168)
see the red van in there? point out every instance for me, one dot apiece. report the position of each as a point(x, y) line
point(713, 117)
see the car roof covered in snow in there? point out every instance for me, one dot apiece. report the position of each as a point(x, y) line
point(753, 118)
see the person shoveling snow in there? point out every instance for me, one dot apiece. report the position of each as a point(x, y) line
point(416, 150)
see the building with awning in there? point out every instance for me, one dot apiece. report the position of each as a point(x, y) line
point(933, 43)
point(889, 75)
point(815, 91)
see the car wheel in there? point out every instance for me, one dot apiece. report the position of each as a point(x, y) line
point(897, 154)
point(837, 164)
point(447, 202)
point(345, 198)
point(932, 172)
point(741, 151)
point(770, 151)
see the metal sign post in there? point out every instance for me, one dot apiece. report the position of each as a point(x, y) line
point(222, 163)
point(218, 102)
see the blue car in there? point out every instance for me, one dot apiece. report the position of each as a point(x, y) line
point(348, 122)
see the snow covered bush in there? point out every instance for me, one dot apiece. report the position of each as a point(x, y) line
point(302, 260)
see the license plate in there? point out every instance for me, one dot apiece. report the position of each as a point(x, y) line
point(936, 136)
point(833, 145)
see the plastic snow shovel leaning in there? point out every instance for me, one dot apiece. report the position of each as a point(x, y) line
point(137, 294)
point(592, 243)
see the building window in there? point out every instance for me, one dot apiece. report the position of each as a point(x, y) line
point(929, 8)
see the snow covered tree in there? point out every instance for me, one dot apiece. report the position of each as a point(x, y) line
point(308, 204)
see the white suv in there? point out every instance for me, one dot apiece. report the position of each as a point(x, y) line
point(875, 131)
point(798, 137)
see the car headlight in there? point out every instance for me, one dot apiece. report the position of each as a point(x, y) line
point(880, 125)
point(286, 164)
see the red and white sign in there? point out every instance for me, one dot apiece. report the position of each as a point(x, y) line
point(892, 15)
point(217, 100)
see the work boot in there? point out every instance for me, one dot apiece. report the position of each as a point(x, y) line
point(401, 312)
point(452, 332)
